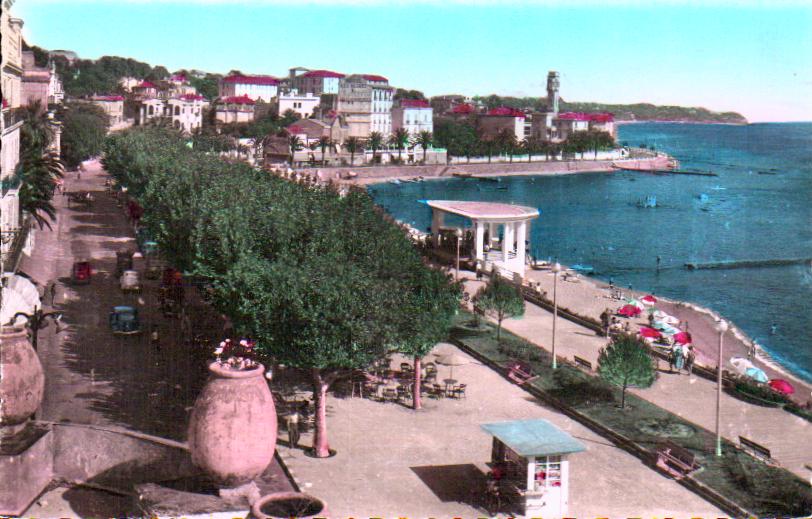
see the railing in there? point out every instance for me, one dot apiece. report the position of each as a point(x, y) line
point(12, 116)
point(11, 255)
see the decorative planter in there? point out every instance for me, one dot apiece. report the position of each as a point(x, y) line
point(232, 430)
point(749, 397)
point(288, 504)
point(23, 382)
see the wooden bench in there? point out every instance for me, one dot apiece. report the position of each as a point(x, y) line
point(757, 450)
point(520, 373)
point(582, 363)
point(676, 460)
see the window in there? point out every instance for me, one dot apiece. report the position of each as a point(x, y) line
point(177, 110)
point(151, 110)
point(548, 472)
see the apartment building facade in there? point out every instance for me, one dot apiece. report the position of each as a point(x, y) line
point(12, 72)
point(258, 88)
point(365, 101)
point(415, 115)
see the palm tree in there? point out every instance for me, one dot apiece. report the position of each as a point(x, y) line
point(37, 174)
point(36, 131)
point(294, 144)
point(324, 143)
point(399, 139)
point(530, 144)
point(374, 143)
point(506, 140)
point(352, 144)
point(424, 139)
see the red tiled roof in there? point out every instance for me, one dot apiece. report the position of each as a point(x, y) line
point(192, 97)
point(108, 98)
point(464, 108)
point(581, 116)
point(178, 77)
point(323, 74)
point(414, 103)
point(251, 80)
point(506, 111)
point(295, 129)
point(239, 100)
point(146, 84)
point(374, 77)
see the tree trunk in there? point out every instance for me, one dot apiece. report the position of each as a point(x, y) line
point(424, 155)
point(499, 330)
point(352, 159)
point(416, 404)
point(623, 397)
point(321, 448)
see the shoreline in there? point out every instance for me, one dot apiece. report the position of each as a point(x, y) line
point(702, 321)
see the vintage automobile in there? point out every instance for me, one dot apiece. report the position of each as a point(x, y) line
point(80, 273)
point(124, 261)
point(130, 281)
point(124, 320)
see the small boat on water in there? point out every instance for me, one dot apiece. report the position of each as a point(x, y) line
point(649, 202)
point(461, 174)
point(489, 179)
point(771, 172)
point(395, 181)
point(584, 269)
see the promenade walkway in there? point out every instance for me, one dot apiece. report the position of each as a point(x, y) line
point(394, 462)
point(787, 436)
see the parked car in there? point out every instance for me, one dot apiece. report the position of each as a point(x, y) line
point(80, 273)
point(130, 281)
point(124, 320)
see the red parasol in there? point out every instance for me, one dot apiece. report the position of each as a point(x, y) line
point(782, 386)
point(629, 311)
point(682, 337)
point(649, 299)
point(645, 331)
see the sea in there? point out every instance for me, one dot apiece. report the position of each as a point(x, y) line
point(758, 207)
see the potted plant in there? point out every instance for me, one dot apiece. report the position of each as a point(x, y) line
point(232, 430)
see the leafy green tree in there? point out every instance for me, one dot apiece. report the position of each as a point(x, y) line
point(353, 145)
point(531, 146)
point(500, 299)
point(83, 132)
point(207, 86)
point(400, 139)
point(288, 118)
point(424, 139)
point(626, 362)
point(36, 132)
point(401, 93)
point(506, 141)
point(374, 143)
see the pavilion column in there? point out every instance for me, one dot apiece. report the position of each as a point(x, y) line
point(480, 238)
point(507, 242)
point(436, 223)
point(492, 228)
point(521, 236)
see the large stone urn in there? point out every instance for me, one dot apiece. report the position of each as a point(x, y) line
point(232, 431)
point(22, 382)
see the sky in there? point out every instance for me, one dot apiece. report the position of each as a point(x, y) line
point(754, 58)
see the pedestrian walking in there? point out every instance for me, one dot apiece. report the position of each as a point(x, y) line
point(690, 358)
point(751, 351)
point(154, 338)
point(658, 263)
point(293, 428)
point(679, 358)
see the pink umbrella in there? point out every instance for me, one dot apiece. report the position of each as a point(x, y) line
point(682, 337)
point(782, 386)
point(629, 311)
point(649, 299)
point(645, 331)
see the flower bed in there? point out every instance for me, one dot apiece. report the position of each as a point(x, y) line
point(756, 394)
point(588, 399)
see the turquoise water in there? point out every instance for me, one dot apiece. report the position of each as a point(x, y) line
point(742, 214)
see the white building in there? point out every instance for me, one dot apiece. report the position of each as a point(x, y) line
point(184, 112)
point(263, 88)
point(317, 82)
point(415, 115)
point(365, 100)
point(56, 93)
point(12, 71)
point(127, 83)
point(302, 104)
point(113, 106)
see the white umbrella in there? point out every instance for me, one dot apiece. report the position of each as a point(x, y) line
point(451, 359)
point(741, 364)
point(19, 295)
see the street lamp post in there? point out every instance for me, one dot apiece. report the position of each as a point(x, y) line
point(721, 327)
point(458, 234)
point(36, 321)
point(556, 270)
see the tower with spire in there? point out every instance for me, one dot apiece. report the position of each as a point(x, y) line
point(553, 82)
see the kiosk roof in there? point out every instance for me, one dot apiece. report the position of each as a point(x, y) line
point(533, 438)
point(485, 210)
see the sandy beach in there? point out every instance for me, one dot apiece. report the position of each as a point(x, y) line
point(590, 297)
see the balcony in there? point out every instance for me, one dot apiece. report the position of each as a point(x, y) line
point(12, 116)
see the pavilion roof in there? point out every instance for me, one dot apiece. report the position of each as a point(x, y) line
point(534, 438)
point(484, 210)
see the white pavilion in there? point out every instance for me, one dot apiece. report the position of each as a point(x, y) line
point(509, 253)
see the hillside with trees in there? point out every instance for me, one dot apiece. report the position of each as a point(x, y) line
point(632, 112)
